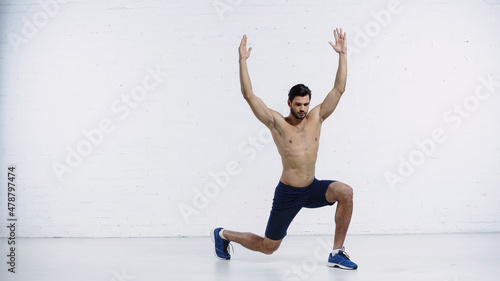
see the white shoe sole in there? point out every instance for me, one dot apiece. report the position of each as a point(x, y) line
point(340, 266)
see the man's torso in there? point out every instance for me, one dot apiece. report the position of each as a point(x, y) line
point(298, 147)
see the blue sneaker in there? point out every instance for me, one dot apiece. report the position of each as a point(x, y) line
point(221, 245)
point(341, 260)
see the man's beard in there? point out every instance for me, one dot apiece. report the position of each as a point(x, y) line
point(296, 115)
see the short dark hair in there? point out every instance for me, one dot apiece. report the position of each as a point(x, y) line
point(299, 90)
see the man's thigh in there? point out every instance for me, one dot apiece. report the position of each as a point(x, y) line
point(317, 195)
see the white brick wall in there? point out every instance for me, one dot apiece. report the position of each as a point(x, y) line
point(70, 67)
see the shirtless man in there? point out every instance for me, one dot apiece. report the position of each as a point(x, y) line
point(297, 139)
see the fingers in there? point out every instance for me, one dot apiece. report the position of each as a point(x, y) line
point(243, 48)
point(242, 43)
point(340, 39)
point(342, 35)
point(339, 34)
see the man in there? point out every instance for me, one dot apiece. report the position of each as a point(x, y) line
point(297, 139)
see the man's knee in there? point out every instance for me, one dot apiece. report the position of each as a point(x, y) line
point(342, 192)
point(268, 250)
point(347, 192)
point(270, 246)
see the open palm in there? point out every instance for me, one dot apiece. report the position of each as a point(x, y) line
point(244, 53)
point(340, 45)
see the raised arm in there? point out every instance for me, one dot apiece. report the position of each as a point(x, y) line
point(260, 110)
point(333, 97)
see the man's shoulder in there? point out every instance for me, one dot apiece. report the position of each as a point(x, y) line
point(278, 117)
point(315, 111)
point(276, 113)
point(313, 115)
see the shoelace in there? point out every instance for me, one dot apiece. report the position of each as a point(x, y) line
point(344, 254)
point(229, 245)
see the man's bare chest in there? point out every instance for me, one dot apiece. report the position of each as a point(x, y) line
point(301, 136)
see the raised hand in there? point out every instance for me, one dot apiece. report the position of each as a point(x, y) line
point(244, 53)
point(340, 45)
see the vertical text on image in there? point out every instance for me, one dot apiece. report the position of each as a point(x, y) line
point(11, 218)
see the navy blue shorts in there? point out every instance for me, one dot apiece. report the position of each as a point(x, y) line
point(288, 201)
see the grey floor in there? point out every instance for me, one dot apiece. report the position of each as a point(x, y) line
point(443, 257)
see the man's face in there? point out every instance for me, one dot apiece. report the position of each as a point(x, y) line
point(299, 106)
